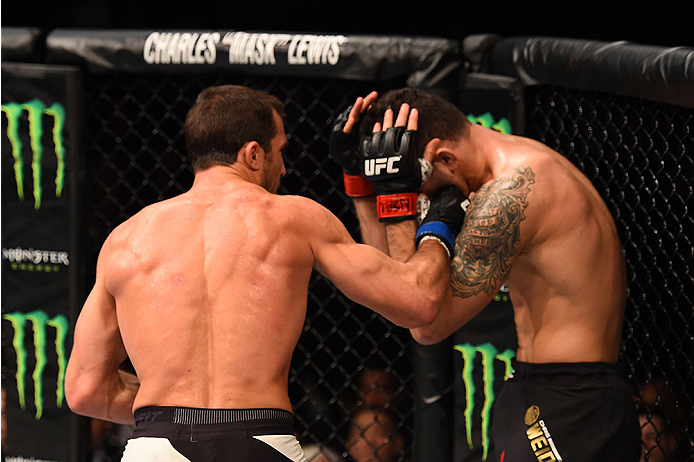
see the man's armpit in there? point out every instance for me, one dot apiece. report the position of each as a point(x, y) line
point(486, 245)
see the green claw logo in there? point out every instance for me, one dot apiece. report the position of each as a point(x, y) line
point(489, 353)
point(40, 323)
point(487, 121)
point(35, 110)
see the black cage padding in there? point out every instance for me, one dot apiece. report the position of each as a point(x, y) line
point(642, 71)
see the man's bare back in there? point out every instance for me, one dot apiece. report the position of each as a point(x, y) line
point(219, 263)
point(206, 294)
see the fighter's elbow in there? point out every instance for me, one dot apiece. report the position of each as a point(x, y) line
point(78, 398)
point(79, 395)
point(424, 336)
point(432, 292)
point(425, 311)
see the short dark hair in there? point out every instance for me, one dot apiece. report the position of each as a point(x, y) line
point(226, 117)
point(438, 118)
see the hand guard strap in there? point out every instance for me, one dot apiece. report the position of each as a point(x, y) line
point(397, 207)
point(440, 232)
point(344, 146)
point(357, 185)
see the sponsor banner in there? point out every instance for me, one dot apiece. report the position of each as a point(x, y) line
point(38, 192)
point(427, 62)
point(483, 370)
point(486, 345)
point(494, 101)
point(483, 351)
point(458, 380)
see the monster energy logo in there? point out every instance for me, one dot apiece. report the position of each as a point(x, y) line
point(35, 109)
point(489, 353)
point(40, 322)
point(487, 121)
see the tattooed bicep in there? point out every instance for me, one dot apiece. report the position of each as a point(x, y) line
point(485, 247)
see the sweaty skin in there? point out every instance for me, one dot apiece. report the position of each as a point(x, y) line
point(536, 223)
point(206, 294)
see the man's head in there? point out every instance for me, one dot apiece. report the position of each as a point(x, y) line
point(438, 120)
point(229, 118)
point(374, 436)
point(378, 387)
point(658, 442)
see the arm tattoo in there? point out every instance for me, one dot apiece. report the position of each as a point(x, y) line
point(490, 233)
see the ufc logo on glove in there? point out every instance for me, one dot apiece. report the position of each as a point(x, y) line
point(375, 166)
point(395, 171)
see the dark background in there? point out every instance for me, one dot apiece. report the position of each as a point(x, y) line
point(665, 23)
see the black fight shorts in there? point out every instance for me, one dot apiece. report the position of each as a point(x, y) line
point(178, 434)
point(572, 412)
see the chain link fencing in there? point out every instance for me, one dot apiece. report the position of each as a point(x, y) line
point(136, 156)
point(638, 154)
point(640, 157)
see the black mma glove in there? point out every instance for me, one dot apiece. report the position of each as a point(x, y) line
point(343, 149)
point(395, 171)
point(444, 218)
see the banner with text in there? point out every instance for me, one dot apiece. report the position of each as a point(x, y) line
point(425, 62)
point(39, 113)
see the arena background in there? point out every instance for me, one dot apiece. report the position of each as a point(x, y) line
point(631, 134)
point(666, 23)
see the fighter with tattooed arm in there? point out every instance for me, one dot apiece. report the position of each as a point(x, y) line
point(534, 222)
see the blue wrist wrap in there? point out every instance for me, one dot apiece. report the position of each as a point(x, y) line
point(439, 229)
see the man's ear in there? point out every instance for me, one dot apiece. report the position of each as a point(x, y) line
point(431, 148)
point(253, 154)
point(438, 154)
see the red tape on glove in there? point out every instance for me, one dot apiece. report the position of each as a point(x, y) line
point(396, 207)
point(357, 186)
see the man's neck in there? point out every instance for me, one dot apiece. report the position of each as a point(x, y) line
point(477, 159)
point(220, 175)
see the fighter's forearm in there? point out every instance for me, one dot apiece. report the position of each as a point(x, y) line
point(401, 241)
point(373, 232)
point(109, 398)
point(400, 238)
point(121, 399)
point(427, 260)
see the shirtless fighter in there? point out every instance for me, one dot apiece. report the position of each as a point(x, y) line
point(206, 294)
point(536, 223)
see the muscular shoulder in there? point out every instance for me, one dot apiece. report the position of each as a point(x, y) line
point(560, 189)
point(130, 226)
point(300, 207)
point(128, 234)
point(312, 222)
point(546, 191)
point(504, 218)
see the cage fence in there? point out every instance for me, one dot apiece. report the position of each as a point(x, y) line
point(638, 154)
point(640, 157)
point(137, 157)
